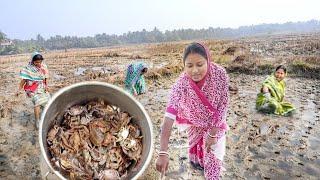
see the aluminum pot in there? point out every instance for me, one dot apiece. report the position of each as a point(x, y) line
point(85, 91)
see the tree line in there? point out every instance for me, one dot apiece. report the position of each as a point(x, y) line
point(59, 42)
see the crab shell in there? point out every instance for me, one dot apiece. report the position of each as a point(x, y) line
point(122, 134)
point(108, 139)
point(52, 133)
point(75, 140)
point(134, 153)
point(96, 133)
point(115, 158)
point(109, 174)
point(76, 110)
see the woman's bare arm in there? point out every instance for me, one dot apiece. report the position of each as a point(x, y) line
point(165, 133)
point(21, 85)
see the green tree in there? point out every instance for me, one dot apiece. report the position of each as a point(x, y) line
point(2, 36)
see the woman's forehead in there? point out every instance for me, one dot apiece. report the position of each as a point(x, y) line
point(37, 61)
point(280, 70)
point(194, 57)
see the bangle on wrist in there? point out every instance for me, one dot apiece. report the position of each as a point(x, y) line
point(161, 153)
point(215, 136)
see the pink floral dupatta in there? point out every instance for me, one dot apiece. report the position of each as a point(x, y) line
point(201, 106)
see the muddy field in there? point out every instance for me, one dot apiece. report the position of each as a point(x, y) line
point(258, 146)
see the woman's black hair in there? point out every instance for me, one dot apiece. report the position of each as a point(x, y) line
point(281, 67)
point(37, 57)
point(194, 48)
point(144, 70)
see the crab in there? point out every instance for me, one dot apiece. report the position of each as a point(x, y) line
point(74, 167)
point(124, 119)
point(122, 134)
point(75, 141)
point(52, 133)
point(97, 131)
point(102, 110)
point(97, 156)
point(86, 155)
point(65, 163)
point(73, 121)
point(86, 119)
point(135, 152)
point(98, 113)
point(96, 136)
point(55, 148)
point(76, 110)
point(115, 158)
point(110, 111)
point(129, 144)
point(83, 132)
point(117, 122)
point(134, 130)
point(109, 174)
point(64, 143)
point(109, 139)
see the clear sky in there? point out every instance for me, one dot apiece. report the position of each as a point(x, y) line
point(24, 19)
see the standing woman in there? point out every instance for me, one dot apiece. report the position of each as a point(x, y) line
point(34, 80)
point(134, 82)
point(198, 100)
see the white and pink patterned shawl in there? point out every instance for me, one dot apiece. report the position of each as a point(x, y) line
point(201, 105)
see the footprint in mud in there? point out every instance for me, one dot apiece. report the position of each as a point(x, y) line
point(273, 160)
point(301, 164)
point(303, 145)
point(3, 159)
point(4, 166)
point(33, 139)
point(312, 124)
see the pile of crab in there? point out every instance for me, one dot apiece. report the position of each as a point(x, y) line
point(95, 141)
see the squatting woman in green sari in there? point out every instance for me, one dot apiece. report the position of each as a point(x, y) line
point(271, 96)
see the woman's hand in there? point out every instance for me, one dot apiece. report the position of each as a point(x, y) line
point(265, 89)
point(135, 93)
point(209, 142)
point(21, 85)
point(211, 138)
point(267, 95)
point(163, 159)
point(18, 93)
point(47, 89)
point(162, 163)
